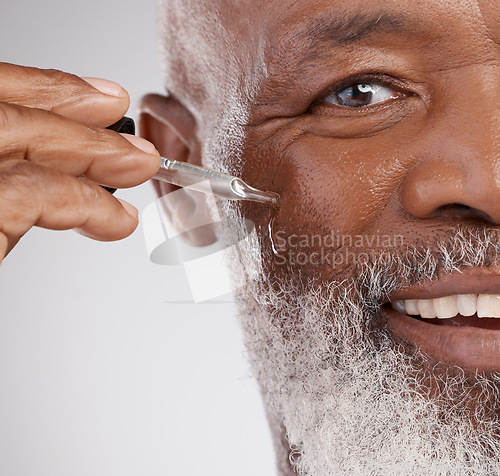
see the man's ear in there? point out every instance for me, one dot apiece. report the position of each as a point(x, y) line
point(170, 126)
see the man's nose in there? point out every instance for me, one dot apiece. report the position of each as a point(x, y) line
point(457, 171)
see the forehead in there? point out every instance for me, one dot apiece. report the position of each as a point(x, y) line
point(288, 26)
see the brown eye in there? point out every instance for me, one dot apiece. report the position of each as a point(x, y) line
point(361, 95)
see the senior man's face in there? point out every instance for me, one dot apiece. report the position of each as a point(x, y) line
point(377, 123)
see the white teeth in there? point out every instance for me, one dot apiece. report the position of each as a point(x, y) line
point(445, 307)
point(488, 305)
point(412, 307)
point(426, 308)
point(485, 305)
point(399, 306)
point(467, 304)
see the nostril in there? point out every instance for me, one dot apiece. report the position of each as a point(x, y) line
point(459, 210)
point(452, 188)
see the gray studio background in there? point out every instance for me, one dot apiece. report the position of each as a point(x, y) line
point(100, 373)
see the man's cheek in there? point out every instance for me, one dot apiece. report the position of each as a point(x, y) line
point(328, 184)
point(330, 189)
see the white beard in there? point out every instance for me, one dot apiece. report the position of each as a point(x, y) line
point(351, 401)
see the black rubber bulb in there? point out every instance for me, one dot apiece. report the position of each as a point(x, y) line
point(125, 125)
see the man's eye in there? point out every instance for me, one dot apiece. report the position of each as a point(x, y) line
point(361, 95)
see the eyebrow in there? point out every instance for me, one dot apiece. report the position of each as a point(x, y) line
point(348, 29)
point(343, 28)
point(314, 38)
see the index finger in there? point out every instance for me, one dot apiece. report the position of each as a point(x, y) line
point(93, 101)
point(44, 138)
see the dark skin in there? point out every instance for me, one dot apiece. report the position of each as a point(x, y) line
point(53, 135)
point(416, 159)
point(419, 161)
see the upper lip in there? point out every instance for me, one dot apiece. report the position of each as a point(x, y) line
point(465, 281)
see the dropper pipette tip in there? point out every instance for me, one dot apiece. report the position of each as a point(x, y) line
point(209, 181)
point(243, 191)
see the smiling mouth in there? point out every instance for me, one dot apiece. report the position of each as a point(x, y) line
point(475, 310)
point(455, 319)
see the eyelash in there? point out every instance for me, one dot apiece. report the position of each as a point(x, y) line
point(381, 78)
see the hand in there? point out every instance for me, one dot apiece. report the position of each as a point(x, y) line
point(55, 150)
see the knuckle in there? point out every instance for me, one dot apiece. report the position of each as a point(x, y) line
point(91, 193)
point(56, 77)
point(9, 115)
point(61, 89)
point(101, 136)
point(14, 120)
point(4, 116)
point(19, 205)
point(53, 88)
point(18, 177)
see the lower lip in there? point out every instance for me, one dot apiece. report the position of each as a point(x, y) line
point(469, 347)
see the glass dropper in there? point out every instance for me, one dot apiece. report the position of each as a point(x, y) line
point(219, 184)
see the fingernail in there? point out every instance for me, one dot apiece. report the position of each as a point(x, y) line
point(107, 87)
point(140, 143)
point(131, 210)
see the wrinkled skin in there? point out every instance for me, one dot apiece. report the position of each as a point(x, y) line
point(415, 164)
point(412, 166)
